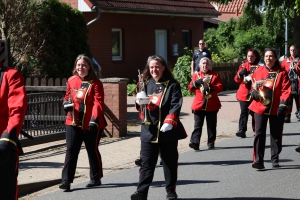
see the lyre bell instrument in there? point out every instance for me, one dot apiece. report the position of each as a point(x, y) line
point(206, 81)
point(142, 84)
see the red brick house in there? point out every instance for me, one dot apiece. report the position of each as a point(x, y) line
point(123, 33)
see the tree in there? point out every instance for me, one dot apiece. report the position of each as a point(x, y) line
point(287, 5)
point(18, 21)
point(46, 36)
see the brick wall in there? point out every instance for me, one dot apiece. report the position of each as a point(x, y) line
point(138, 39)
point(115, 100)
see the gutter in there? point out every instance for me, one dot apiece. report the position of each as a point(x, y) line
point(94, 20)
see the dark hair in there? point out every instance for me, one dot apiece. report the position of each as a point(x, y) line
point(167, 73)
point(92, 73)
point(275, 55)
point(257, 56)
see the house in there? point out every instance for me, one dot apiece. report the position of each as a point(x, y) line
point(124, 33)
point(232, 10)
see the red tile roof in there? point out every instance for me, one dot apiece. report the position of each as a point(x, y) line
point(232, 10)
point(199, 8)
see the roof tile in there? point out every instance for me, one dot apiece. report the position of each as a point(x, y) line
point(193, 7)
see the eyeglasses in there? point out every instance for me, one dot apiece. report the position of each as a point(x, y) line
point(201, 43)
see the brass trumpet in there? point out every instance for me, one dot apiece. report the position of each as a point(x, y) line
point(206, 81)
point(265, 101)
point(143, 111)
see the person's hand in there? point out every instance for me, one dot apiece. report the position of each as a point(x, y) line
point(6, 150)
point(198, 82)
point(281, 112)
point(141, 98)
point(255, 95)
point(93, 128)
point(68, 106)
point(243, 72)
point(166, 127)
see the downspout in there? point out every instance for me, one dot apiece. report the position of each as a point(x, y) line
point(98, 17)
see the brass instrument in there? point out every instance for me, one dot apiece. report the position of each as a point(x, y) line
point(206, 81)
point(256, 85)
point(144, 121)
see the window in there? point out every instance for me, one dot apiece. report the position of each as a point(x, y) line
point(186, 39)
point(116, 44)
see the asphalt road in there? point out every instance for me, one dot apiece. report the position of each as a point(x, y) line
point(223, 173)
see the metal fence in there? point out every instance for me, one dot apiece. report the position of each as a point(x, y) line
point(45, 116)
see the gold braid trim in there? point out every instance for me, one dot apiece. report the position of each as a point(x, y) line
point(8, 140)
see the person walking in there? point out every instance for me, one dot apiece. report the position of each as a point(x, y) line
point(84, 103)
point(159, 101)
point(198, 55)
point(206, 84)
point(13, 101)
point(290, 64)
point(270, 93)
point(244, 78)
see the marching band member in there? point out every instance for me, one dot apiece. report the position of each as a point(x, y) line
point(161, 127)
point(84, 103)
point(291, 66)
point(13, 100)
point(206, 84)
point(270, 93)
point(243, 95)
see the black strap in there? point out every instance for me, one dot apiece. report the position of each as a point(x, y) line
point(2, 70)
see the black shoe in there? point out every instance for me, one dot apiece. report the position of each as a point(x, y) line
point(287, 120)
point(211, 145)
point(138, 196)
point(93, 183)
point(298, 149)
point(64, 185)
point(138, 162)
point(258, 166)
point(241, 134)
point(171, 195)
point(194, 146)
point(275, 164)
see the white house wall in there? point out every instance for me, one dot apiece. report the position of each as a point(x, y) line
point(83, 7)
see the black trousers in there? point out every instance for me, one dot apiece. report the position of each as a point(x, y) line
point(290, 103)
point(8, 178)
point(74, 138)
point(276, 129)
point(149, 154)
point(211, 122)
point(244, 116)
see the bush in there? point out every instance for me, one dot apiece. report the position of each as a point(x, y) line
point(131, 88)
point(182, 73)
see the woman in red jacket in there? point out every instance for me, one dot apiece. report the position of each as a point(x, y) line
point(270, 93)
point(206, 84)
point(243, 77)
point(84, 102)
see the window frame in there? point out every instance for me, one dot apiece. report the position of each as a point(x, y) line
point(120, 56)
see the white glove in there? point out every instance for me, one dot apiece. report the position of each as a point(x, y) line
point(248, 78)
point(141, 98)
point(166, 127)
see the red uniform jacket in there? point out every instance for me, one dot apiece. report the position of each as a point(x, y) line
point(13, 101)
point(286, 64)
point(200, 101)
point(88, 98)
point(276, 88)
point(243, 93)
